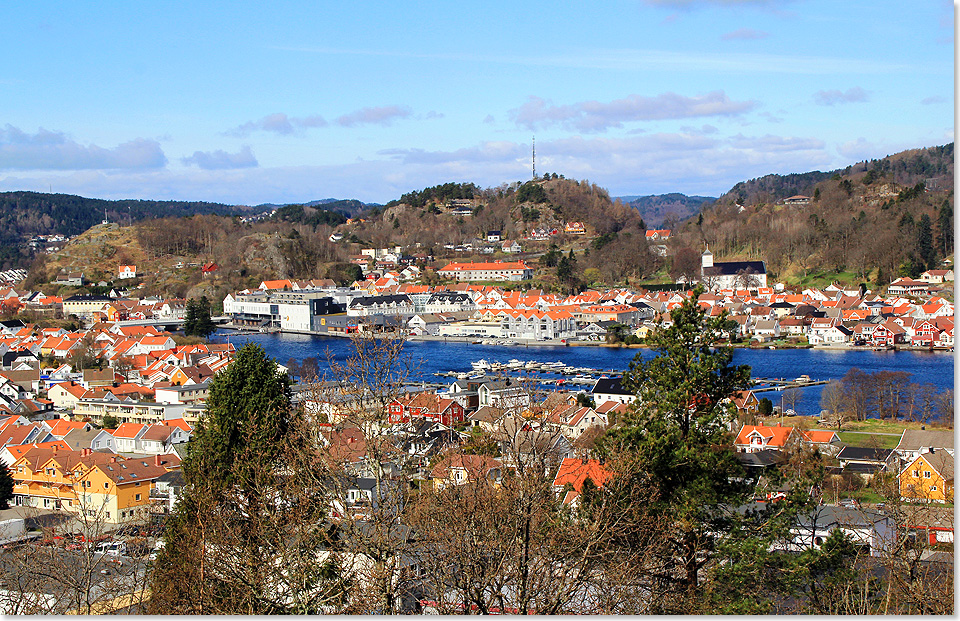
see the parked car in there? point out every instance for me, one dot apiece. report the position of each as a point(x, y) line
point(111, 548)
point(850, 502)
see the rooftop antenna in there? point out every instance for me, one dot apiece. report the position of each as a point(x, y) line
point(534, 157)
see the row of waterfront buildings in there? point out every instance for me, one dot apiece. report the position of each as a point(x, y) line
point(829, 316)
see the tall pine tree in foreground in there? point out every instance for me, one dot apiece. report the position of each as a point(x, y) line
point(244, 537)
point(677, 431)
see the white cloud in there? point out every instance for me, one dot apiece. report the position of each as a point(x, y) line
point(833, 97)
point(278, 123)
point(595, 116)
point(221, 160)
point(769, 143)
point(484, 152)
point(378, 115)
point(51, 150)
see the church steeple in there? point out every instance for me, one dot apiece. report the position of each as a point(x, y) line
point(706, 259)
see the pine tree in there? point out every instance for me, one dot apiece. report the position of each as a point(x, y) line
point(247, 417)
point(925, 248)
point(677, 431)
point(945, 229)
point(6, 487)
point(197, 321)
point(247, 534)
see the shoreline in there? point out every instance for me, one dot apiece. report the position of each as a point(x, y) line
point(519, 342)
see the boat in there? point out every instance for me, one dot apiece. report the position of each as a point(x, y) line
point(481, 365)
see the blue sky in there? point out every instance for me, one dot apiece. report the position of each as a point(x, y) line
point(252, 102)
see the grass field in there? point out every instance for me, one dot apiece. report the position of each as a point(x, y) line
point(866, 439)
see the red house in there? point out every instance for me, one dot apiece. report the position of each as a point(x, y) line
point(889, 333)
point(925, 333)
point(425, 405)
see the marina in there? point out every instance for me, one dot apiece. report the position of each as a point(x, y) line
point(776, 368)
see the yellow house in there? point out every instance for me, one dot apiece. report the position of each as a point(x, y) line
point(66, 395)
point(119, 489)
point(928, 478)
point(101, 485)
point(45, 476)
point(642, 331)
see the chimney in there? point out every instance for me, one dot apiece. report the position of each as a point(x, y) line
point(157, 461)
point(86, 452)
point(113, 459)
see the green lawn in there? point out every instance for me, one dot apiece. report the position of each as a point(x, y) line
point(865, 439)
point(823, 278)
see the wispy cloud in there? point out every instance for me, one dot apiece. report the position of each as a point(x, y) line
point(634, 59)
point(499, 151)
point(689, 4)
point(283, 125)
point(833, 97)
point(378, 115)
point(745, 34)
point(595, 116)
point(52, 150)
point(278, 123)
point(936, 99)
point(221, 160)
point(770, 143)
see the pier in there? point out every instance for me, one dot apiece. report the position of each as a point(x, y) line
point(766, 384)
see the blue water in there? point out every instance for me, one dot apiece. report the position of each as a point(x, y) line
point(429, 357)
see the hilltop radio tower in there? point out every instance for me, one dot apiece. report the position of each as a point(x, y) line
point(534, 160)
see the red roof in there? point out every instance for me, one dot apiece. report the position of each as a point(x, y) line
point(775, 436)
point(575, 471)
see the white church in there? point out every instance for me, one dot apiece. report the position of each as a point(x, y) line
point(717, 275)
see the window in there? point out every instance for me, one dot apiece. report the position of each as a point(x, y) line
point(926, 474)
point(106, 486)
point(916, 474)
point(933, 488)
point(138, 496)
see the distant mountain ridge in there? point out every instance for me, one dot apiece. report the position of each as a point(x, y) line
point(660, 208)
point(349, 207)
point(27, 214)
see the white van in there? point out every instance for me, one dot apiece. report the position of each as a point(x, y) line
point(111, 548)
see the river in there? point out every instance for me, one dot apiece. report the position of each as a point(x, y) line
point(430, 357)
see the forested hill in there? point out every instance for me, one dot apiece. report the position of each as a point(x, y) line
point(665, 210)
point(26, 214)
point(348, 207)
point(932, 166)
point(869, 222)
